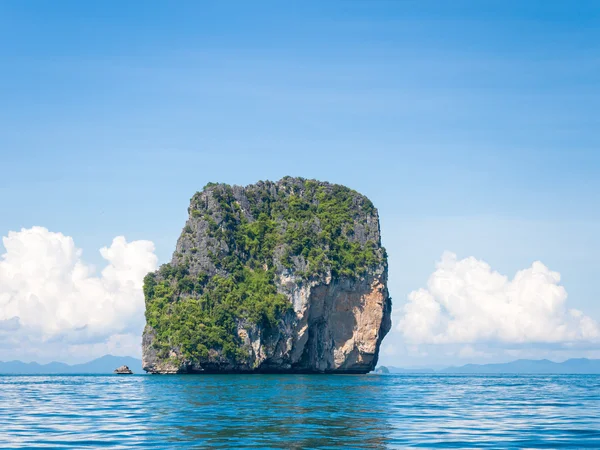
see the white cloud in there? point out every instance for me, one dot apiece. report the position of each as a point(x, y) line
point(388, 350)
point(50, 298)
point(469, 352)
point(467, 302)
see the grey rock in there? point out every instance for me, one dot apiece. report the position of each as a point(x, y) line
point(337, 322)
point(123, 370)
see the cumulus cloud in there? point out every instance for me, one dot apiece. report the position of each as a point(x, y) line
point(469, 352)
point(467, 302)
point(48, 294)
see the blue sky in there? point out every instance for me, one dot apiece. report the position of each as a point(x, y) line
point(473, 126)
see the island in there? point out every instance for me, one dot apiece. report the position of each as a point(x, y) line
point(275, 277)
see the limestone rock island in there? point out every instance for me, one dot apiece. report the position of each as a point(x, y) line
point(275, 277)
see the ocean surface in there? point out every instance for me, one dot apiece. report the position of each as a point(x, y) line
point(298, 411)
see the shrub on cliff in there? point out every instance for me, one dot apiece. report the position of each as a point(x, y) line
point(233, 246)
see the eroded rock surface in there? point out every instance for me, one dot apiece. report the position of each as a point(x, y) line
point(274, 277)
point(123, 370)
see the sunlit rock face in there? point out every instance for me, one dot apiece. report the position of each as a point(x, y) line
point(286, 276)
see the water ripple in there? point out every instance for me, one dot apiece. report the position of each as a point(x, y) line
point(271, 411)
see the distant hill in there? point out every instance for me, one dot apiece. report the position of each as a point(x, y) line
point(102, 365)
point(521, 366)
point(542, 366)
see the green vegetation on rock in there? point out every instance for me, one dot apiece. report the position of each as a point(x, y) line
point(233, 247)
point(198, 314)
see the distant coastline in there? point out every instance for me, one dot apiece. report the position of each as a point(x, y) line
point(107, 364)
point(520, 366)
point(103, 365)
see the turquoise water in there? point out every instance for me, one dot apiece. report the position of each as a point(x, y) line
point(272, 411)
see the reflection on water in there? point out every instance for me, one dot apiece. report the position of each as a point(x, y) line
point(300, 411)
point(271, 410)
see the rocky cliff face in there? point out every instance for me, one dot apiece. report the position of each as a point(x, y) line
point(274, 277)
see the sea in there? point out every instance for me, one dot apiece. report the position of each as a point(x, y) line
point(300, 411)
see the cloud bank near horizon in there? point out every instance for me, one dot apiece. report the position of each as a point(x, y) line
point(53, 304)
point(466, 302)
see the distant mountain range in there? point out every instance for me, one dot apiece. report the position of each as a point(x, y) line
point(579, 365)
point(108, 363)
point(105, 364)
point(521, 366)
